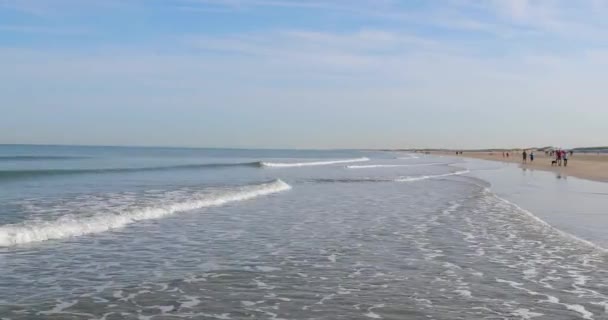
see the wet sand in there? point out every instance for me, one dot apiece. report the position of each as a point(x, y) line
point(586, 166)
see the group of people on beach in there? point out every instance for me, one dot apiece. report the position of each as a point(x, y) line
point(559, 156)
point(525, 156)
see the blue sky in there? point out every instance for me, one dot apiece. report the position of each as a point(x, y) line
point(304, 74)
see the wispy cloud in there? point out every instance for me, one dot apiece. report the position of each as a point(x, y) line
point(25, 6)
point(369, 8)
point(364, 52)
point(508, 19)
point(561, 18)
point(58, 8)
point(44, 30)
point(312, 4)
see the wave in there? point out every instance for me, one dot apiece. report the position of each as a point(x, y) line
point(70, 226)
point(314, 163)
point(391, 165)
point(19, 174)
point(362, 180)
point(403, 179)
point(408, 158)
point(38, 158)
point(412, 179)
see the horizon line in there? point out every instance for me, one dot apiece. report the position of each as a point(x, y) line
point(279, 148)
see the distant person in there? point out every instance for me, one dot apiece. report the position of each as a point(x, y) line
point(531, 156)
point(571, 153)
point(525, 156)
point(558, 157)
point(507, 154)
point(565, 158)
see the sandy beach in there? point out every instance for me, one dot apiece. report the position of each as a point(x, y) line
point(584, 165)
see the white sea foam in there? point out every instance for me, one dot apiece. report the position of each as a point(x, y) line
point(412, 179)
point(70, 226)
point(526, 313)
point(59, 308)
point(390, 165)
point(372, 315)
point(580, 309)
point(546, 224)
point(267, 269)
point(190, 302)
point(306, 164)
point(464, 293)
point(550, 299)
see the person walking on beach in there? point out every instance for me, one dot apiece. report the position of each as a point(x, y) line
point(565, 157)
point(531, 156)
point(525, 156)
point(558, 157)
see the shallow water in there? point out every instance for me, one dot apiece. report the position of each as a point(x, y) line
point(396, 236)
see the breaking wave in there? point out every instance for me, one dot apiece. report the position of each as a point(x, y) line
point(361, 180)
point(391, 165)
point(72, 226)
point(402, 179)
point(306, 164)
point(411, 179)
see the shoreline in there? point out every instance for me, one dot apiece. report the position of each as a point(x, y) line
point(584, 166)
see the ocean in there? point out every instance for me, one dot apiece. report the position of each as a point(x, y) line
point(175, 233)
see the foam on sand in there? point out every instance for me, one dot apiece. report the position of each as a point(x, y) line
point(314, 163)
point(71, 226)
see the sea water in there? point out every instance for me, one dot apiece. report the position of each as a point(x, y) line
point(167, 233)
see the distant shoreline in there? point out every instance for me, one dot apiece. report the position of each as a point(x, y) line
point(586, 150)
point(590, 166)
